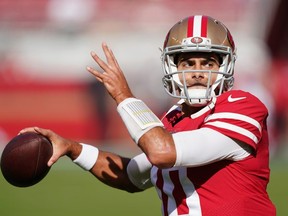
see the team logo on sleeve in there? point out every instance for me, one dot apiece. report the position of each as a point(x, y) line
point(233, 99)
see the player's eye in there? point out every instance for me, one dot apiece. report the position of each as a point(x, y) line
point(210, 63)
point(185, 64)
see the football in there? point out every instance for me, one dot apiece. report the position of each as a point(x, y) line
point(24, 159)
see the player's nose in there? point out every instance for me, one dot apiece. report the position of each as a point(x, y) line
point(195, 75)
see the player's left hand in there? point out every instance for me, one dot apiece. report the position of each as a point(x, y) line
point(112, 76)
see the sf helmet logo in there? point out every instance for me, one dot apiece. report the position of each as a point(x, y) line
point(196, 40)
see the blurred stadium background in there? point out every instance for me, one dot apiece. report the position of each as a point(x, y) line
point(44, 49)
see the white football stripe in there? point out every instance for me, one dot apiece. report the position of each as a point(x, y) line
point(168, 190)
point(234, 128)
point(193, 200)
point(235, 116)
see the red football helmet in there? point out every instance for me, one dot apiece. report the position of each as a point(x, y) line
point(198, 34)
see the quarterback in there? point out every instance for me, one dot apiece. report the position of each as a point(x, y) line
point(209, 154)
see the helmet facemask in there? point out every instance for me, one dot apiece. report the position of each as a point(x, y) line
point(208, 36)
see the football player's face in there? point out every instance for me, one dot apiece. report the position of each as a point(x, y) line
point(198, 61)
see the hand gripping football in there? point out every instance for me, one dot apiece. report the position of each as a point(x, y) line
point(24, 159)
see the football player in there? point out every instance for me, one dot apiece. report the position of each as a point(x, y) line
point(209, 154)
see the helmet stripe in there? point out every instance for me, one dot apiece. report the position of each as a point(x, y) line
point(190, 26)
point(204, 26)
point(197, 26)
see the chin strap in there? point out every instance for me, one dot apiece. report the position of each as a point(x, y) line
point(199, 97)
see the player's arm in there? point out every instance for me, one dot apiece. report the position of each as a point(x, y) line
point(132, 175)
point(191, 148)
point(157, 144)
point(123, 173)
point(110, 168)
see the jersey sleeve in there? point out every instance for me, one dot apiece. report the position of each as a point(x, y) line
point(191, 148)
point(239, 115)
point(138, 171)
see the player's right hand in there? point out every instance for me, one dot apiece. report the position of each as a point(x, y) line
point(112, 77)
point(61, 146)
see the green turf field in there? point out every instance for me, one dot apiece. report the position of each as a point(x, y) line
point(278, 189)
point(67, 190)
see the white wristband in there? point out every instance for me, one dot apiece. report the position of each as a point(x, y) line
point(87, 157)
point(137, 117)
